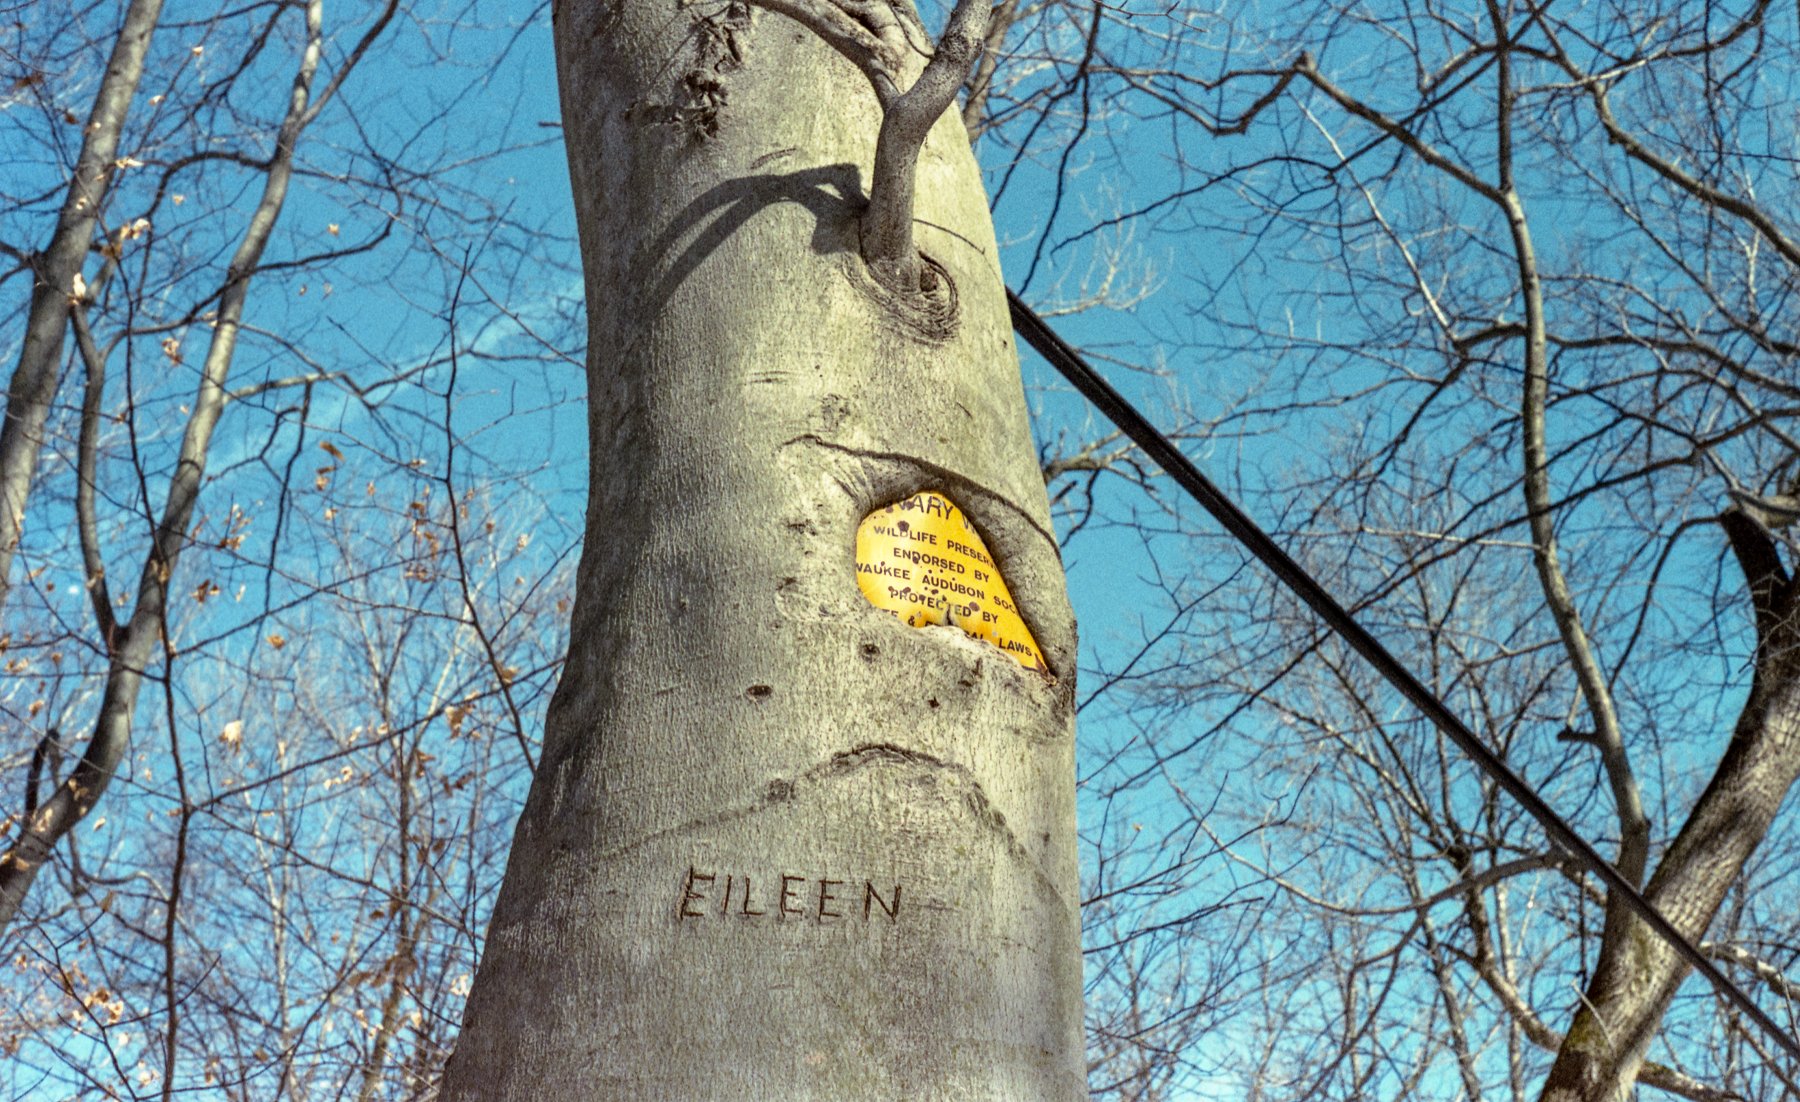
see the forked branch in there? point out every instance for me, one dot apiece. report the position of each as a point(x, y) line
point(885, 40)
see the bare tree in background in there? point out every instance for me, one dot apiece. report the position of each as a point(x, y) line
point(1543, 259)
point(1515, 280)
point(132, 644)
point(55, 270)
point(312, 704)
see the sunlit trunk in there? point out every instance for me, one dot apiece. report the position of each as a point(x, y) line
point(781, 844)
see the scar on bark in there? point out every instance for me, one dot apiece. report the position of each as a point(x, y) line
point(884, 41)
point(700, 94)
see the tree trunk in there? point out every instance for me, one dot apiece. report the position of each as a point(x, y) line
point(35, 379)
point(782, 845)
point(1637, 974)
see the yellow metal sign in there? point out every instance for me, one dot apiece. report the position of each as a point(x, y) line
point(922, 561)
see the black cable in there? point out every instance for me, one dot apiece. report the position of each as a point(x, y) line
point(1165, 454)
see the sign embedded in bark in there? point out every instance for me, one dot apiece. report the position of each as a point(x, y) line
point(922, 561)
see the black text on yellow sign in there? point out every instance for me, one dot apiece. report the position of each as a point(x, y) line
point(921, 560)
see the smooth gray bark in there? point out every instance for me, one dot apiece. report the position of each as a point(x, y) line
point(897, 802)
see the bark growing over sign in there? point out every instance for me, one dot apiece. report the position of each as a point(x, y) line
point(781, 844)
point(920, 560)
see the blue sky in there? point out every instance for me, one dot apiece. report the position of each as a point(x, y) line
point(1188, 282)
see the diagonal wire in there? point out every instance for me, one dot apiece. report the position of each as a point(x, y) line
point(1235, 521)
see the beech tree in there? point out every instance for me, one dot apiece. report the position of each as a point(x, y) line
point(781, 842)
point(1490, 303)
